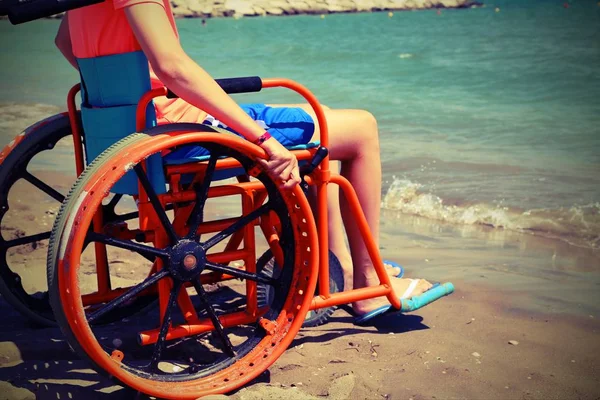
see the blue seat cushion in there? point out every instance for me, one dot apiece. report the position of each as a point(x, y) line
point(182, 156)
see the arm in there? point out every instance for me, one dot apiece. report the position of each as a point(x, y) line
point(193, 84)
point(63, 41)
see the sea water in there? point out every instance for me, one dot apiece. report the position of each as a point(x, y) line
point(487, 116)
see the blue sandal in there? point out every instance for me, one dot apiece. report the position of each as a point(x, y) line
point(395, 265)
point(437, 291)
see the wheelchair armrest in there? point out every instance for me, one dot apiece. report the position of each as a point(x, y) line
point(246, 84)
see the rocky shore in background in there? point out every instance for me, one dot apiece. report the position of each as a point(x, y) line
point(254, 8)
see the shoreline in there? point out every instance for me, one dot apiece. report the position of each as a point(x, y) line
point(262, 8)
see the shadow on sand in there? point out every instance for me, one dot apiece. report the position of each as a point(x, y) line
point(39, 360)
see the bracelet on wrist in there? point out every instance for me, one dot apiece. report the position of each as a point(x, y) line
point(263, 138)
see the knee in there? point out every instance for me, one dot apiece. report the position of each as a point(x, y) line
point(368, 120)
point(353, 134)
point(368, 127)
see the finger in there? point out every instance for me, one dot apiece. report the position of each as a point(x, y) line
point(286, 174)
point(289, 184)
point(294, 179)
point(290, 168)
point(272, 167)
point(277, 171)
point(296, 170)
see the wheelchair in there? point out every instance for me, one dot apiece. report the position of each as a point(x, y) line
point(229, 265)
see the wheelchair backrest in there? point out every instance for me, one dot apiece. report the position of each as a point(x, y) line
point(111, 87)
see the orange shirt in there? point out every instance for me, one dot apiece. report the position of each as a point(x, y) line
point(102, 29)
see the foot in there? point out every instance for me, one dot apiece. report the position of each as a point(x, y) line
point(391, 270)
point(403, 288)
point(346, 264)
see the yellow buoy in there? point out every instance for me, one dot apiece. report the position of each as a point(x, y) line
point(497, 9)
point(390, 14)
point(322, 16)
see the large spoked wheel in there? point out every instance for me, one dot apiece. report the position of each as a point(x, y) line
point(30, 196)
point(317, 317)
point(203, 338)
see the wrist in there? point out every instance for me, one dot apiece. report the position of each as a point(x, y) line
point(262, 139)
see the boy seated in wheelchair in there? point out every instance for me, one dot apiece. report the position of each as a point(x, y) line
point(121, 26)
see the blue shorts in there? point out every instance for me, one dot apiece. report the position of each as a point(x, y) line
point(289, 125)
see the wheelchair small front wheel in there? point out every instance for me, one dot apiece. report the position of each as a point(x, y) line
point(317, 317)
point(200, 340)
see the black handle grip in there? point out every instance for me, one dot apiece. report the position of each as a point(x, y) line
point(246, 84)
point(320, 154)
point(29, 10)
point(7, 5)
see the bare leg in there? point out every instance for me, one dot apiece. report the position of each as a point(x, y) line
point(337, 242)
point(354, 140)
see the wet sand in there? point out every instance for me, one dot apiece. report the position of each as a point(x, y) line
point(541, 295)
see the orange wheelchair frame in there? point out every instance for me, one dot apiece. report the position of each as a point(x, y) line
point(320, 178)
point(276, 302)
point(252, 195)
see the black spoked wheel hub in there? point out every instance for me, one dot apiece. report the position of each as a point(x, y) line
point(187, 260)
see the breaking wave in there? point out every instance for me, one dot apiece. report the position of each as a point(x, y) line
point(578, 225)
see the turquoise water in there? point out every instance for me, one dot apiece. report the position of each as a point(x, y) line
point(486, 117)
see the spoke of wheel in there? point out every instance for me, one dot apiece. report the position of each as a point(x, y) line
point(124, 217)
point(131, 215)
point(158, 208)
point(197, 215)
point(113, 202)
point(239, 224)
point(127, 245)
point(227, 346)
point(162, 335)
point(128, 295)
point(43, 187)
point(238, 273)
point(134, 214)
point(27, 239)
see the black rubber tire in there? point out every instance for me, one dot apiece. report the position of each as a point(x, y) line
point(266, 263)
point(40, 137)
point(37, 138)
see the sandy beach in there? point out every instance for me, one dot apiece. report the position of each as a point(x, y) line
point(489, 136)
point(522, 324)
point(501, 335)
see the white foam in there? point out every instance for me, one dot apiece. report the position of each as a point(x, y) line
point(577, 224)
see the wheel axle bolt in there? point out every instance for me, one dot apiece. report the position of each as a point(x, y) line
point(189, 262)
